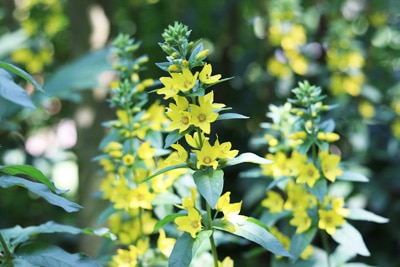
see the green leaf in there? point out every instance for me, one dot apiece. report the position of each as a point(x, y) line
point(210, 183)
point(320, 189)
point(31, 172)
point(167, 219)
point(41, 190)
point(351, 239)
point(80, 74)
point(353, 177)
point(166, 199)
point(299, 242)
point(186, 247)
point(249, 158)
point(172, 138)
point(230, 116)
point(17, 235)
point(21, 73)
point(254, 232)
point(364, 215)
point(13, 92)
point(40, 254)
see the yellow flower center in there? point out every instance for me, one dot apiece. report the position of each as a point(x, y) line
point(187, 84)
point(207, 160)
point(185, 120)
point(195, 224)
point(202, 117)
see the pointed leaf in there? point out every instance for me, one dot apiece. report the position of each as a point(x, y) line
point(299, 242)
point(41, 190)
point(186, 247)
point(172, 138)
point(40, 254)
point(230, 116)
point(21, 73)
point(31, 172)
point(249, 158)
point(258, 234)
point(351, 239)
point(210, 183)
point(320, 189)
point(364, 215)
point(352, 176)
point(13, 92)
point(166, 169)
point(166, 199)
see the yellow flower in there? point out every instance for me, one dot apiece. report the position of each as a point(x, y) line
point(180, 118)
point(337, 205)
point(225, 151)
point(177, 157)
point(205, 75)
point(366, 109)
point(125, 258)
point(164, 244)
point(189, 202)
point(298, 197)
point(308, 174)
point(190, 223)
point(279, 167)
point(207, 156)
point(301, 220)
point(230, 210)
point(128, 159)
point(227, 262)
point(203, 115)
point(140, 197)
point(396, 128)
point(329, 220)
point(329, 163)
point(184, 81)
point(196, 140)
point(273, 201)
point(170, 89)
point(143, 245)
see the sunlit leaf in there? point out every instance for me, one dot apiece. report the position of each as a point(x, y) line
point(299, 242)
point(349, 237)
point(167, 219)
point(249, 158)
point(230, 116)
point(260, 235)
point(353, 177)
point(364, 215)
point(21, 73)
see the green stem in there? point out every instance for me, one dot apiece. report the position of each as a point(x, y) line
point(212, 242)
point(7, 253)
point(325, 244)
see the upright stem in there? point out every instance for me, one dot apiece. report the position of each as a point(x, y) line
point(7, 253)
point(212, 242)
point(325, 243)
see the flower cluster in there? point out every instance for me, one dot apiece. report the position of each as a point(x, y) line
point(132, 151)
point(41, 21)
point(288, 36)
point(303, 166)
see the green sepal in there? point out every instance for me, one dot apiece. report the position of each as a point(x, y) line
point(256, 232)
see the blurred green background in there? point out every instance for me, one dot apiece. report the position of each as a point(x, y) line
point(350, 48)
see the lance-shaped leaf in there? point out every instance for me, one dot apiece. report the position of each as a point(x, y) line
point(40, 254)
point(364, 215)
point(167, 219)
point(32, 172)
point(253, 230)
point(230, 116)
point(249, 158)
point(352, 176)
point(13, 92)
point(299, 242)
point(351, 239)
point(17, 234)
point(41, 190)
point(186, 247)
point(209, 183)
point(21, 73)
